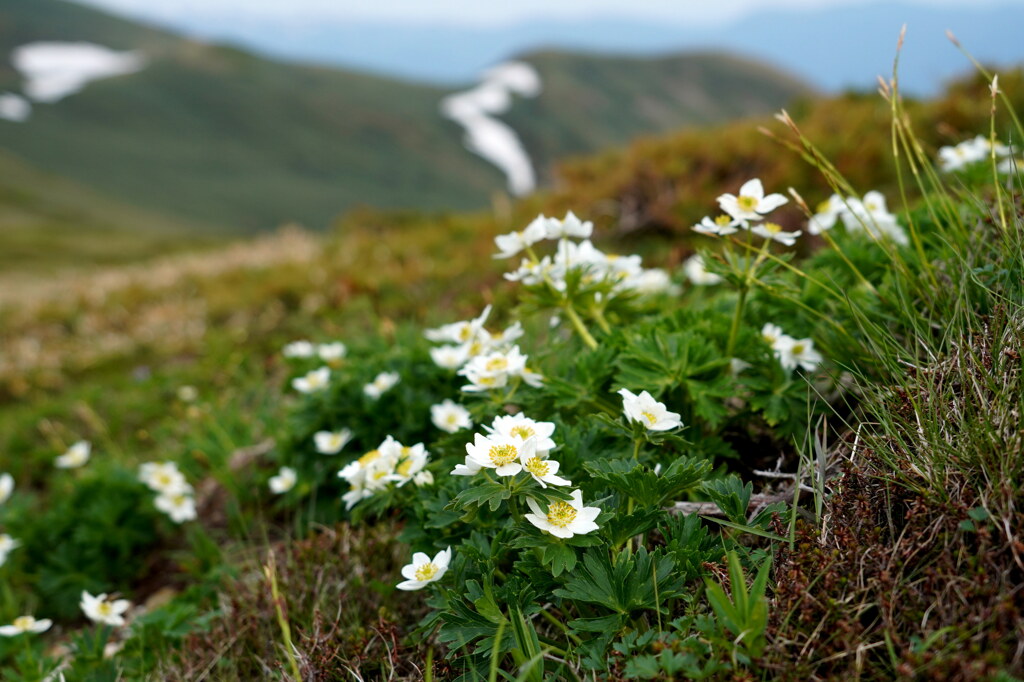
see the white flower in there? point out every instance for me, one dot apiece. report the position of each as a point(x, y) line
point(284, 481)
point(696, 273)
point(1010, 166)
point(646, 410)
point(564, 519)
point(187, 394)
point(751, 204)
point(6, 487)
point(569, 226)
point(493, 370)
point(521, 427)
point(422, 571)
point(827, 215)
point(969, 152)
point(512, 243)
point(450, 357)
point(410, 465)
point(331, 442)
point(458, 332)
point(736, 365)
point(312, 382)
point(721, 226)
point(793, 353)
point(450, 416)
point(24, 624)
point(772, 333)
point(651, 281)
point(500, 453)
point(384, 381)
point(179, 506)
point(164, 478)
point(101, 610)
point(775, 232)
point(542, 470)
point(469, 468)
point(872, 216)
point(7, 544)
point(299, 349)
point(332, 353)
point(76, 456)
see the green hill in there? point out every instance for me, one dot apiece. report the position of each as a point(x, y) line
point(220, 136)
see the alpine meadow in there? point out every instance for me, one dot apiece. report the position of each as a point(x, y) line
point(732, 390)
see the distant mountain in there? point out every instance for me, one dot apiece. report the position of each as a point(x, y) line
point(219, 136)
point(831, 47)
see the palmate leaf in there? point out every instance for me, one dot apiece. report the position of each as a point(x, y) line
point(642, 580)
point(647, 488)
point(471, 499)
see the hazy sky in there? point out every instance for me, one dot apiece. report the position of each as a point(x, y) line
point(477, 12)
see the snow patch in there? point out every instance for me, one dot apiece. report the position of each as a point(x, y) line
point(54, 70)
point(487, 136)
point(14, 107)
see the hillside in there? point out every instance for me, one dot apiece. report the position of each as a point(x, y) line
point(222, 136)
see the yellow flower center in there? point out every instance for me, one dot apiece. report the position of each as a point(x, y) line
point(163, 480)
point(723, 220)
point(369, 457)
point(403, 468)
point(497, 364)
point(824, 206)
point(798, 348)
point(179, 500)
point(747, 203)
point(523, 432)
point(426, 571)
point(773, 228)
point(486, 381)
point(24, 622)
point(104, 608)
point(464, 332)
point(503, 454)
point(452, 418)
point(377, 475)
point(649, 416)
point(538, 467)
point(561, 514)
point(475, 348)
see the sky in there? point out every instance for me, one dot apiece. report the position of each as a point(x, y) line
point(474, 12)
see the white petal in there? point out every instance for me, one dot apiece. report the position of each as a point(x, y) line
point(752, 188)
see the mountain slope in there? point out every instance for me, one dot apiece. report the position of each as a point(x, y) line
point(219, 135)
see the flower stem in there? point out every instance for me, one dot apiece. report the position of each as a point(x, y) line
point(602, 321)
point(578, 325)
point(734, 330)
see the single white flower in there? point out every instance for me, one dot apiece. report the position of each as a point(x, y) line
point(569, 226)
point(651, 281)
point(450, 357)
point(751, 204)
point(872, 216)
point(312, 382)
point(76, 456)
point(422, 571)
point(187, 394)
point(6, 487)
point(646, 410)
point(7, 545)
point(828, 213)
point(101, 610)
point(299, 349)
point(720, 226)
point(521, 427)
point(736, 365)
point(180, 507)
point(332, 353)
point(410, 465)
point(422, 478)
point(331, 442)
point(564, 519)
point(450, 416)
point(542, 470)
point(697, 273)
point(772, 334)
point(793, 353)
point(284, 481)
point(775, 232)
point(164, 478)
point(500, 453)
point(23, 624)
point(1010, 166)
point(381, 383)
point(459, 332)
point(468, 468)
point(512, 243)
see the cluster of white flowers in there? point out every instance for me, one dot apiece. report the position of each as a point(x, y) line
point(487, 360)
point(750, 206)
point(626, 273)
point(390, 462)
point(332, 353)
point(76, 456)
point(174, 494)
point(974, 151)
point(791, 353)
point(7, 543)
point(450, 416)
point(869, 214)
point(381, 383)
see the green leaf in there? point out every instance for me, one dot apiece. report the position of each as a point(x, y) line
point(649, 489)
point(471, 499)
